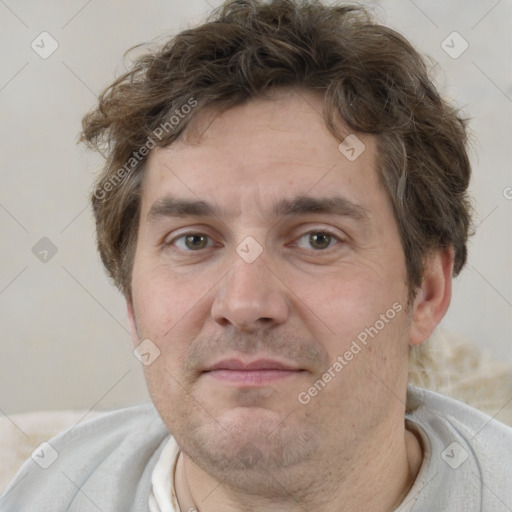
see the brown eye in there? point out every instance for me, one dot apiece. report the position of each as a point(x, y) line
point(320, 240)
point(317, 240)
point(196, 241)
point(192, 242)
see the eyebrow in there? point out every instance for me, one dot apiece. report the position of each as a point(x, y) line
point(177, 207)
point(337, 205)
point(174, 207)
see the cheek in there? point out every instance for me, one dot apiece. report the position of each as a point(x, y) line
point(351, 292)
point(350, 304)
point(165, 303)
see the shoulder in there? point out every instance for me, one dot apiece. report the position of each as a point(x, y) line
point(470, 452)
point(87, 463)
point(453, 415)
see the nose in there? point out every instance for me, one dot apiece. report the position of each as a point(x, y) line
point(250, 297)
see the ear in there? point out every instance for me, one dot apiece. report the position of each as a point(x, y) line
point(132, 323)
point(434, 295)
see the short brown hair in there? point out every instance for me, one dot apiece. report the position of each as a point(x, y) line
point(373, 80)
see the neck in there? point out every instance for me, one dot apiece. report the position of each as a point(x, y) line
point(333, 484)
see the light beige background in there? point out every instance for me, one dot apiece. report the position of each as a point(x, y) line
point(64, 340)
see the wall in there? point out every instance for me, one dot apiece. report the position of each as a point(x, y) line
point(65, 342)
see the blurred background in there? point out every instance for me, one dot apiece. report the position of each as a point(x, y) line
point(64, 335)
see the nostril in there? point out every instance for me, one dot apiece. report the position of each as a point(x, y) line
point(224, 322)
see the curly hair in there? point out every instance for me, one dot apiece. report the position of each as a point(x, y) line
point(372, 79)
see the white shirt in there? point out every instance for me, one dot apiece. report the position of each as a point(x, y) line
point(163, 496)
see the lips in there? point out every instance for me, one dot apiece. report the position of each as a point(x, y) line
point(251, 373)
point(260, 364)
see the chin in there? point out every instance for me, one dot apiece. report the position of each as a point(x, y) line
point(250, 443)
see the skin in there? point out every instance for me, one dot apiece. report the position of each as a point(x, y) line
point(251, 445)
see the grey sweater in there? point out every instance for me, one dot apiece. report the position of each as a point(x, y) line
point(105, 465)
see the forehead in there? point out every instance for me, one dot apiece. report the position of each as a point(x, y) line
point(257, 154)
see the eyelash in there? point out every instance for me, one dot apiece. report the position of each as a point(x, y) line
point(334, 237)
point(184, 236)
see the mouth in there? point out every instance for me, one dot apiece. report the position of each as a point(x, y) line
point(254, 373)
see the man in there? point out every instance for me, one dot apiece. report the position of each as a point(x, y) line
point(283, 206)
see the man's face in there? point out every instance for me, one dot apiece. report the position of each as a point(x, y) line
point(265, 256)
